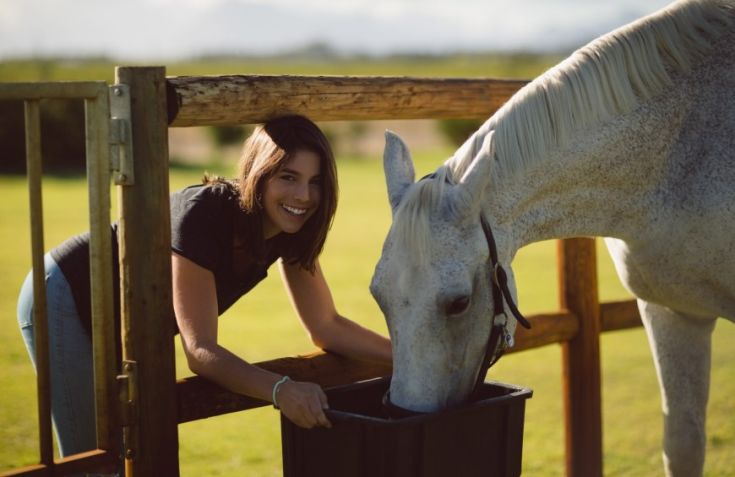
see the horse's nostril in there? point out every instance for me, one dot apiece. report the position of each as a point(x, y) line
point(458, 305)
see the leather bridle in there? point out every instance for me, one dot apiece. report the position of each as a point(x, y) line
point(499, 339)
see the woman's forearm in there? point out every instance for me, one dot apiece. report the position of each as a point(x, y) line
point(302, 402)
point(231, 372)
point(347, 338)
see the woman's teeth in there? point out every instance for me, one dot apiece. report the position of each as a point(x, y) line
point(294, 210)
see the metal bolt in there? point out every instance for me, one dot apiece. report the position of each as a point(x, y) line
point(117, 91)
point(129, 454)
point(128, 366)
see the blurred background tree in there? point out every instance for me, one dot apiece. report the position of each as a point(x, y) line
point(62, 137)
point(228, 135)
point(456, 131)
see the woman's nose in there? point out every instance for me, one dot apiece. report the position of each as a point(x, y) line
point(302, 192)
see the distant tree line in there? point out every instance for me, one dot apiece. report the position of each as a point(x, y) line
point(458, 130)
point(62, 137)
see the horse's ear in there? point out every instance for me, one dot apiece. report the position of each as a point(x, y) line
point(477, 175)
point(398, 167)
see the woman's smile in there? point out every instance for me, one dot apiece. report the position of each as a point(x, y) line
point(294, 210)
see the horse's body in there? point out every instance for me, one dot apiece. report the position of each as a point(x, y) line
point(632, 138)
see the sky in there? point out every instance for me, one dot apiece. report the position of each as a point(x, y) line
point(177, 29)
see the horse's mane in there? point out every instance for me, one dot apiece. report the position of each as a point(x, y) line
point(607, 77)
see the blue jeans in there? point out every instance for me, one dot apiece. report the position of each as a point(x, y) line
point(72, 385)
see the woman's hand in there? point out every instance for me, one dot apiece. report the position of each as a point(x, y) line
point(303, 403)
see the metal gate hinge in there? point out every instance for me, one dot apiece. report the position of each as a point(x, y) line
point(121, 138)
point(128, 392)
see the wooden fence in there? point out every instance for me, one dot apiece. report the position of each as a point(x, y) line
point(158, 103)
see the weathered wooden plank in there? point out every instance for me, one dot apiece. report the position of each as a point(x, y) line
point(230, 100)
point(581, 358)
point(94, 460)
point(199, 398)
point(40, 315)
point(546, 329)
point(145, 274)
point(106, 365)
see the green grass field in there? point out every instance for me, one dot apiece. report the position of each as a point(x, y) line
point(459, 65)
point(262, 326)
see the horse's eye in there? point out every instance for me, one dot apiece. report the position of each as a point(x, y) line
point(457, 306)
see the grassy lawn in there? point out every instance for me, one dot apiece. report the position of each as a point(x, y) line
point(459, 65)
point(262, 326)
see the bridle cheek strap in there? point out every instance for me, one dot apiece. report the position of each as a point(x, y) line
point(500, 338)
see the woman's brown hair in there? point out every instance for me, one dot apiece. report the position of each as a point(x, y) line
point(265, 152)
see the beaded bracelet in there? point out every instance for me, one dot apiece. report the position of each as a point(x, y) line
point(275, 390)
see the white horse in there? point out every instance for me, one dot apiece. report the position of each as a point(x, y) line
point(633, 138)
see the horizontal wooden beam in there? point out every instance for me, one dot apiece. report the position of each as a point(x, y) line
point(95, 460)
point(199, 398)
point(547, 328)
point(620, 315)
point(232, 100)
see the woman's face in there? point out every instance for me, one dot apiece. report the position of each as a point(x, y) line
point(291, 195)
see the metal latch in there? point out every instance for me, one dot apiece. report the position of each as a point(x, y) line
point(128, 392)
point(121, 138)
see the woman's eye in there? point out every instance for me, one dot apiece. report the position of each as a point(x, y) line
point(288, 177)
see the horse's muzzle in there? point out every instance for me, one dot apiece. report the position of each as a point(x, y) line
point(397, 412)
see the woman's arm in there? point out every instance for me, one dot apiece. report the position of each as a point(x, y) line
point(313, 302)
point(195, 305)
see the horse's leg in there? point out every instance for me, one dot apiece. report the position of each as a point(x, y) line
point(681, 347)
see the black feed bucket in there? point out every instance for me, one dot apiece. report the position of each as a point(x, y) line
point(483, 438)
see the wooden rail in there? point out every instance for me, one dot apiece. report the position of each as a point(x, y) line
point(97, 459)
point(227, 100)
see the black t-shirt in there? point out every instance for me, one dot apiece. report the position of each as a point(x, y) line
point(208, 227)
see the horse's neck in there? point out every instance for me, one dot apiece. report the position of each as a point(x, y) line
point(599, 185)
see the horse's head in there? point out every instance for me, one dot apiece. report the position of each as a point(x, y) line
point(433, 280)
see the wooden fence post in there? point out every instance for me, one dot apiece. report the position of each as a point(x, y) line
point(145, 266)
point(578, 292)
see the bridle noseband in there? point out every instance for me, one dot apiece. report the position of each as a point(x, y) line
point(500, 338)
